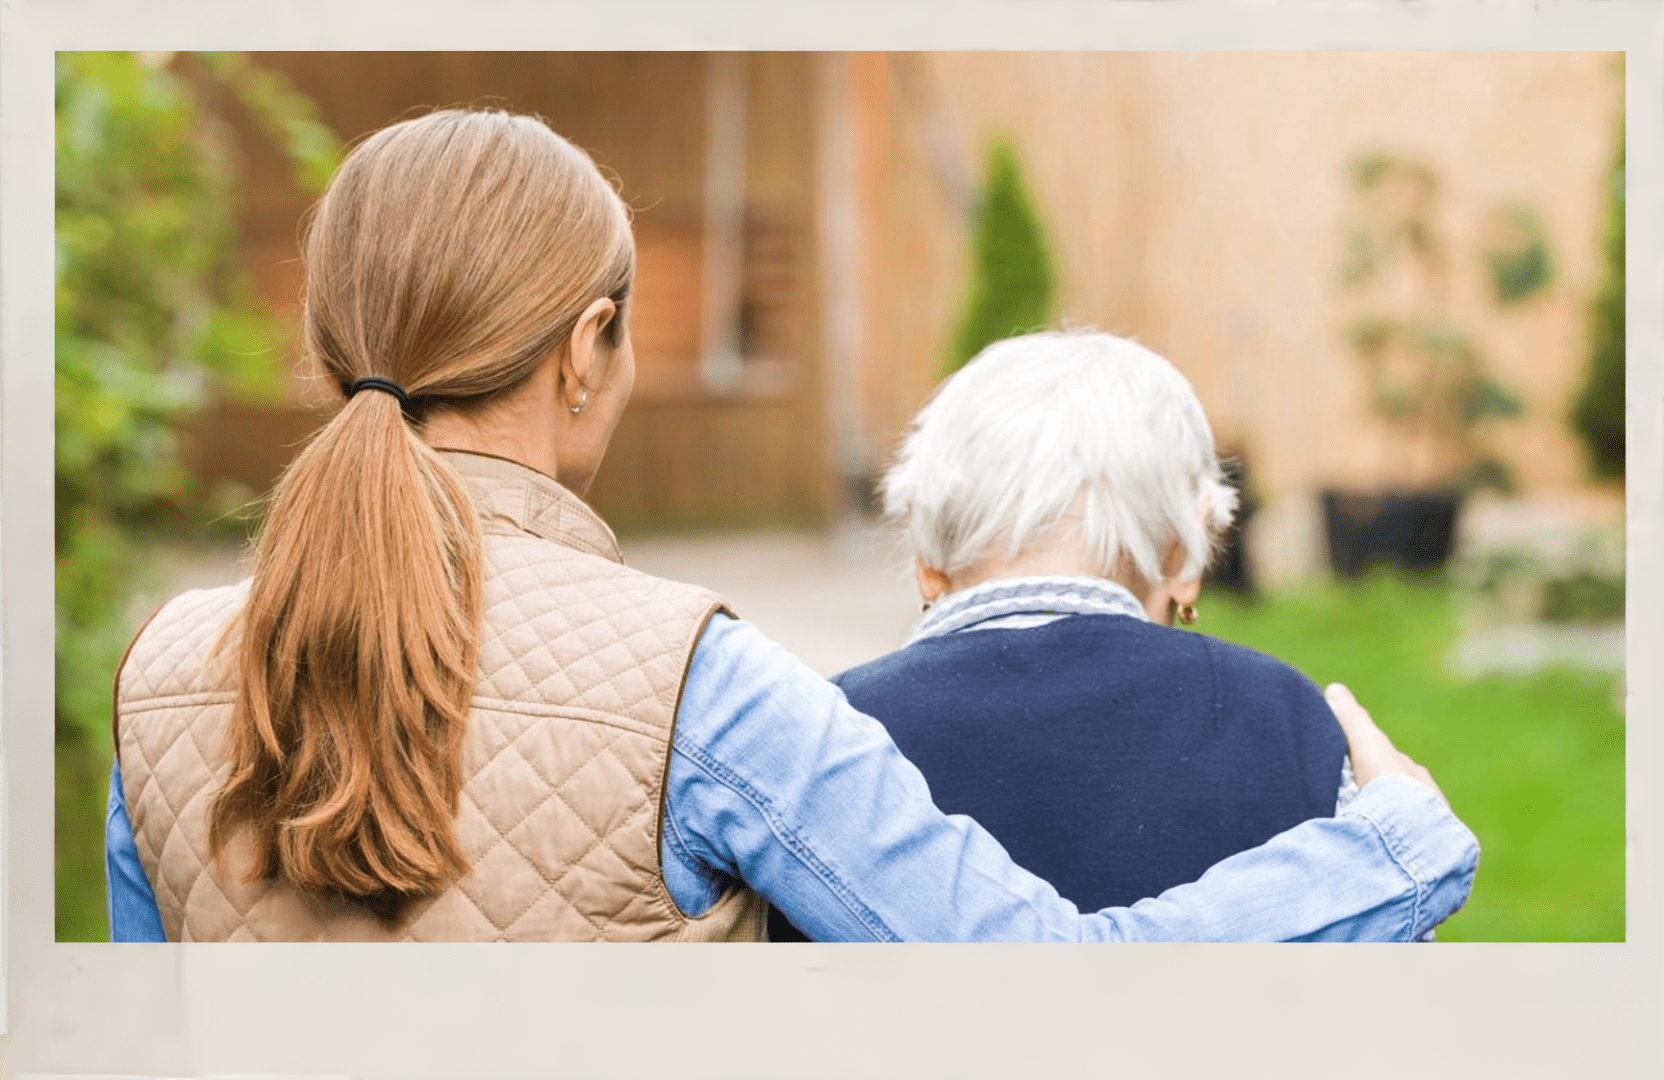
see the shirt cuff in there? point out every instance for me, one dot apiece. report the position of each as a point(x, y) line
point(1427, 841)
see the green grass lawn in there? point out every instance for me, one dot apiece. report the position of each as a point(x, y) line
point(82, 786)
point(1534, 765)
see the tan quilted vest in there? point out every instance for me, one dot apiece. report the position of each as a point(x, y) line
point(581, 669)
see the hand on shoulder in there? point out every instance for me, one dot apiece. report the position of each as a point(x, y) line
point(1373, 754)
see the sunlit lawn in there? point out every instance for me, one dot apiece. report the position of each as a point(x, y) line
point(1534, 765)
point(82, 783)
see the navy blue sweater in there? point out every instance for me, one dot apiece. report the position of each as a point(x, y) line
point(1113, 757)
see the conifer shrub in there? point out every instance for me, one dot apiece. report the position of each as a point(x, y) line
point(1013, 280)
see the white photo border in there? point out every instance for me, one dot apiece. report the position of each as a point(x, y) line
point(572, 1010)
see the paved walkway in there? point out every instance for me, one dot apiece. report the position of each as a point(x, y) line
point(835, 599)
point(1521, 650)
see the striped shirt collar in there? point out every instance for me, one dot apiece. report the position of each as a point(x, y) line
point(1010, 603)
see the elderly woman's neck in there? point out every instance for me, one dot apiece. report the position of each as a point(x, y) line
point(1062, 558)
point(1058, 562)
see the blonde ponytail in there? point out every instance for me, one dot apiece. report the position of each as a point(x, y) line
point(360, 640)
point(451, 256)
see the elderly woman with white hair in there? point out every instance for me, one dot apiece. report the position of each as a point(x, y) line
point(1062, 497)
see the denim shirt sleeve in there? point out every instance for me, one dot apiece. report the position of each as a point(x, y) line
point(133, 912)
point(777, 781)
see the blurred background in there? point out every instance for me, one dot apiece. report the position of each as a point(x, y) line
point(1395, 280)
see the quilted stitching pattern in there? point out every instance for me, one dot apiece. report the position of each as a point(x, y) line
point(581, 662)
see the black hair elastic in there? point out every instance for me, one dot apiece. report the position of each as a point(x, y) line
point(376, 382)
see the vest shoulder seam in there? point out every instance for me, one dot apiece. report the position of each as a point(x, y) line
point(568, 712)
point(173, 701)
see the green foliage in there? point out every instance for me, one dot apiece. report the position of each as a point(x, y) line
point(1534, 764)
point(1598, 413)
point(1519, 264)
point(1360, 259)
point(151, 314)
point(1426, 375)
point(1579, 579)
point(1369, 169)
point(1013, 283)
point(1584, 597)
point(288, 117)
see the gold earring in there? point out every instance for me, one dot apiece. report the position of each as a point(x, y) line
point(1187, 613)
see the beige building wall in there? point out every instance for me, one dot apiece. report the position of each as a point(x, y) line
point(1198, 202)
point(1073, 120)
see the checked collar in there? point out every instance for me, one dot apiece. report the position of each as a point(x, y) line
point(1011, 603)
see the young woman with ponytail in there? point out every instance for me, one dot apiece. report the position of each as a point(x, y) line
point(442, 708)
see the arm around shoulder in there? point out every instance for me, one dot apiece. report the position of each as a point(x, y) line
point(778, 781)
point(1389, 868)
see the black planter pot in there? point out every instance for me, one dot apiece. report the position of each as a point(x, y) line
point(1415, 530)
point(1231, 571)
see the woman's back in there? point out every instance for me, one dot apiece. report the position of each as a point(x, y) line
point(562, 765)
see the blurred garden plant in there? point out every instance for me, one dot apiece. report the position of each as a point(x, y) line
point(153, 314)
point(1577, 578)
point(1013, 283)
point(1598, 415)
point(1427, 377)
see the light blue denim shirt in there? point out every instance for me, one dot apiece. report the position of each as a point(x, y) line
point(776, 781)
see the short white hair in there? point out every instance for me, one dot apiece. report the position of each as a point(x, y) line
point(1049, 431)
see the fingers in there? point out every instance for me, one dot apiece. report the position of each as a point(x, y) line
point(1361, 732)
point(1372, 753)
point(1341, 700)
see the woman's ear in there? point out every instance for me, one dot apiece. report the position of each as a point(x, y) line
point(582, 365)
point(932, 583)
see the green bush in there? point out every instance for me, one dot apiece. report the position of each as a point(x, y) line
point(1598, 413)
point(152, 314)
point(1013, 283)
